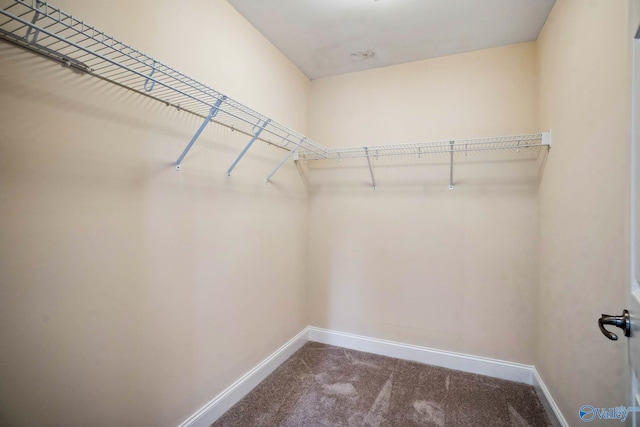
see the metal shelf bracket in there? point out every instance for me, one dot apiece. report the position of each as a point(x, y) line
point(34, 29)
point(253, 139)
point(373, 178)
point(451, 166)
point(212, 113)
point(291, 153)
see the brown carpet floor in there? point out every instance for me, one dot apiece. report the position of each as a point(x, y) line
point(322, 385)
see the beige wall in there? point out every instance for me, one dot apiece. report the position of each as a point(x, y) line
point(132, 294)
point(482, 93)
point(583, 57)
point(414, 261)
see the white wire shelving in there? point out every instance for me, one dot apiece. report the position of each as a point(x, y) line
point(45, 29)
point(512, 142)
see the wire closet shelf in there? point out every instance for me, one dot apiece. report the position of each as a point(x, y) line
point(45, 29)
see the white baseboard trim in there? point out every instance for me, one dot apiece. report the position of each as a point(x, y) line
point(220, 404)
point(547, 401)
point(511, 371)
point(447, 359)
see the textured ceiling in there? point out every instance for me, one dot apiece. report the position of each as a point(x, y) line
point(329, 37)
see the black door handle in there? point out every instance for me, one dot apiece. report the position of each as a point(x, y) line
point(623, 322)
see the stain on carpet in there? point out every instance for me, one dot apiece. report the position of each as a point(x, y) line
point(323, 385)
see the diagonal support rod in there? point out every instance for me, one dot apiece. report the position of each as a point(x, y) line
point(253, 139)
point(291, 153)
point(373, 178)
point(33, 28)
point(451, 166)
point(212, 114)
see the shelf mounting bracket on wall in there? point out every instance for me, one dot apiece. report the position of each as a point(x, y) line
point(373, 178)
point(33, 28)
point(291, 153)
point(212, 113)
point(256, 134)
point(451, 165)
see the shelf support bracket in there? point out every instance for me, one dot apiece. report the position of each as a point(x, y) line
point(253, 139)
point(291, 153)
point(373, 178)
point(212, 113)
point(34, 39)
point(451, 165)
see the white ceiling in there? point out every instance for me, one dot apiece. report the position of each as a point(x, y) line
point(320, 36)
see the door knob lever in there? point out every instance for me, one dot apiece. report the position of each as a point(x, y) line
point(623, 322)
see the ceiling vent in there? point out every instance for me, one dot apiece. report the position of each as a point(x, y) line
point(363, 56)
